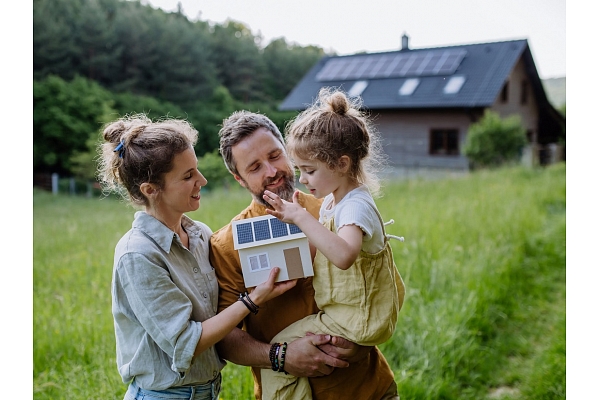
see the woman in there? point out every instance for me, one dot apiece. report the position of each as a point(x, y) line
point(164, 290)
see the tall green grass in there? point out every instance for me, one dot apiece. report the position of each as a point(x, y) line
point(483, 262)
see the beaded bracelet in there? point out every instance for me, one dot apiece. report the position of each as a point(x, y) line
point(274, 356)
point(245, 298)
point(282, 365)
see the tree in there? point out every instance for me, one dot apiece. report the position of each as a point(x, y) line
point(241, 68)
point(207, 117)
point(213, 168)
point(494, 141)
point(54, 49)
point(98, 46)
point(65, 114)
point(286, 65)
point(128, 103)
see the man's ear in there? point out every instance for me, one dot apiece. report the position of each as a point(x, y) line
point(148, 190)
point(240, 181)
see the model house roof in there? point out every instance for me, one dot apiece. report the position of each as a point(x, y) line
point(460, 76)
point(263, 230)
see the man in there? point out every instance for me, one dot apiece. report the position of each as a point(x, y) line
point(253, 150)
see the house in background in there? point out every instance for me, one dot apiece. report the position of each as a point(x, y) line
point(424, 100)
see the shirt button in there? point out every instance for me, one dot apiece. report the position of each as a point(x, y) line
point(204, 295)
point(195, 269)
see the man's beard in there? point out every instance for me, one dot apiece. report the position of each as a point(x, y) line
point(284, 191)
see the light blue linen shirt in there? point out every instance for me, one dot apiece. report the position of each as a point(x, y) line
point(161, 291)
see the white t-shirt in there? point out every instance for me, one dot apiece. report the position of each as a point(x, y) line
point(356, 208)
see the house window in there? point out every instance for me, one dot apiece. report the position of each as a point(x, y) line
point(358, 88)
point(504, 94)
point(529, 135)
point(443, 142)
point(408, 87)
point(524, 92)
point(454, 84)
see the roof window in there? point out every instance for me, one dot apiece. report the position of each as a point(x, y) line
point(358, 88)
point(409, 86)
point(454, 84)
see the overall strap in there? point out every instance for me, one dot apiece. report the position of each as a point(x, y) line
point(383, 225)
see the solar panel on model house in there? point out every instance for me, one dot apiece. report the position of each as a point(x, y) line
point(256, 231)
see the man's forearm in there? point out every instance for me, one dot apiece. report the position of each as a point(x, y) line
point(240, 348)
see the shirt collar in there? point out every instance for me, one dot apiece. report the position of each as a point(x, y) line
point(162, 235)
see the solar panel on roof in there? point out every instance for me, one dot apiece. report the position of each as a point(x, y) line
point(278, 228)
point(432, 62)
point(294, 229)
point(261, 230)
point(244, 233)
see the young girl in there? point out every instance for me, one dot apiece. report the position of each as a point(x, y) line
point(357, 286)
point(164, 290)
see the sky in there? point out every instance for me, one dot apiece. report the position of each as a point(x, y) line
point(350, 26)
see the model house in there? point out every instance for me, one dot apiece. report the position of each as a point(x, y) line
point(266, 242)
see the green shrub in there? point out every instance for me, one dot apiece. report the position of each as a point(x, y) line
point(65, 114)
point(494, 141)
point(213, 168)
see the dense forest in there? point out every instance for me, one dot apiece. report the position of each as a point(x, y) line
point(96, 60)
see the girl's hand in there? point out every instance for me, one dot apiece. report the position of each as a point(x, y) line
point(283, 210)
point(271, 289)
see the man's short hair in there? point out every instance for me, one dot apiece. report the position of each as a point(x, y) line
point(238, 126)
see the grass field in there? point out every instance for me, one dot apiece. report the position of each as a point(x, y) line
point(484, 264)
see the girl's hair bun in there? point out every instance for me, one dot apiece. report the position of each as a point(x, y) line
point(339, 103)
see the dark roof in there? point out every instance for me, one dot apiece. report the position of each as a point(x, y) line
point(485, 68)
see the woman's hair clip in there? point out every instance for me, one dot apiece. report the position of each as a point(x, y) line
point(120, 148)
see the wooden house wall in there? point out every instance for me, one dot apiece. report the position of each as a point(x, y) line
point(529, 111)
point(405, 137)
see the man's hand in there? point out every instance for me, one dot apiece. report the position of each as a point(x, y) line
point(303, 357)
point(343, 349)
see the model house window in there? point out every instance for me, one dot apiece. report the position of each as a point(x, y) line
point(504, 94)
point(443, 142)
point(524, 92)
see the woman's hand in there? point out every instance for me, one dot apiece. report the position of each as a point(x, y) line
point(271, 289)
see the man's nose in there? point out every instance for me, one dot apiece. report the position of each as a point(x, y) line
point(271, 169)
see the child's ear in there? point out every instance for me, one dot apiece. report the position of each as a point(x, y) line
point(344, 164)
